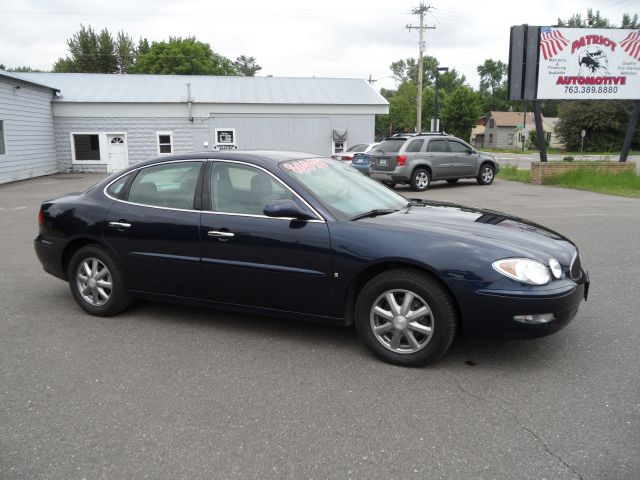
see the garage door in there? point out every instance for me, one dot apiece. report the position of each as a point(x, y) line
point(302, 134)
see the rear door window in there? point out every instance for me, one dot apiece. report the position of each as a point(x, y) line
point(171, 185)
point(436, 145)
point(415, 146)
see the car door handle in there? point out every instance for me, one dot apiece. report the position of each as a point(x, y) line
point(219, 234)
point(119, 224)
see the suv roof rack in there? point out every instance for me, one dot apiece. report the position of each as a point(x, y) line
point(430, 133)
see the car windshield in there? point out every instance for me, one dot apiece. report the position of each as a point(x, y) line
point(344, 191)
point(357, 148)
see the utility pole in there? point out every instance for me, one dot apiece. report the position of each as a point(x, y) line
point(421, 10)
point(371, 80)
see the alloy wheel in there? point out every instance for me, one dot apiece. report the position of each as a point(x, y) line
point(401, 321)
point(94, 282)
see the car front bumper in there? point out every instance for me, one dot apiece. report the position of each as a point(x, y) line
point(491, 313)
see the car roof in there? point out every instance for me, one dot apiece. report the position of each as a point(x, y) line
point(259, 157)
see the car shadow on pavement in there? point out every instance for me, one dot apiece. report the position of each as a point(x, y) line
point(513, 355)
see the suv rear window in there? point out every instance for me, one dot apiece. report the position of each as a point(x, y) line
point(392, 145)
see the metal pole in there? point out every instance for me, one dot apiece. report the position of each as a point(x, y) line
point(420, 66)
point(626, 146)
point(437, 103)
point(540, 131)
point(524, 125)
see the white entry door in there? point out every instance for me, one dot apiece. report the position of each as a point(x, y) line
point(117, 149)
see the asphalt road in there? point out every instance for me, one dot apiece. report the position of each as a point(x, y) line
point(172, 392)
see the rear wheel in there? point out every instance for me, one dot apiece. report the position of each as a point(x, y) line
point(420, 180)
point(96, 282)
point(405, 317)
point(486, 175)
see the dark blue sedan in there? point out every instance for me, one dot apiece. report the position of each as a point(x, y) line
point(291, 234)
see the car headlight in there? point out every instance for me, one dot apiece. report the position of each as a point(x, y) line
point(523, 270)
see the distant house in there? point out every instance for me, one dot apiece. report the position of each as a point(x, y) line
point(500, 131)
point(86, 122)
point(478, 133)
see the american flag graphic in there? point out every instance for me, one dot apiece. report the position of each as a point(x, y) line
point(551, 42)
point(631, 44)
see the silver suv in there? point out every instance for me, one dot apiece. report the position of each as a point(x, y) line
point(418, 159)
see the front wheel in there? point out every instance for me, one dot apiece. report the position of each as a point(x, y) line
point(420, 180)
point(405, 317)
point(486, 175)
point(96, 282)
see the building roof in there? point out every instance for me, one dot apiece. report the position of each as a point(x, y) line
point(113, 88)
point(511, 119)
point(23, 78)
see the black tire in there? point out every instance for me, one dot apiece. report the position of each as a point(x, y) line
point(389, 184)
point(453, 180)
point(117, 299)
point(420, 180)
point(443, 319)
point(486, 175)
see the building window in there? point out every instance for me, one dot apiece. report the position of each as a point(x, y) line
point(165, 142)
point(510, 138)
point(3, 150)
point(522, 136)
point(491, 138)
point(86, 147)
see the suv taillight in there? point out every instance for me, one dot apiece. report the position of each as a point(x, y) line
point(401, 160)
point(40, 216)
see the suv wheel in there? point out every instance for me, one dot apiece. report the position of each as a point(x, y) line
point(420, 180)
point(486, 175)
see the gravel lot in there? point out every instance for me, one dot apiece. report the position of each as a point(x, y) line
point(165, 391)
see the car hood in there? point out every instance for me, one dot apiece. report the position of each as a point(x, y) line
point(473, 225)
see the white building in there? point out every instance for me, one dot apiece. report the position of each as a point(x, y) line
point(105, 122)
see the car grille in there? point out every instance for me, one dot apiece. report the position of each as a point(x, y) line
point(576, 267)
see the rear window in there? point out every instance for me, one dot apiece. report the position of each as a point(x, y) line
point(357, 148)
point(392, 145)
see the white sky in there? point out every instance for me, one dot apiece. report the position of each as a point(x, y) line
point(294, 38)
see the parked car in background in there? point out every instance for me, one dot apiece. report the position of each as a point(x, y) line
point(294, 235)
point(419, 159)
point(347, 155)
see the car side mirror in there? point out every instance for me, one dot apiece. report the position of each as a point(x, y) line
point(286, 208)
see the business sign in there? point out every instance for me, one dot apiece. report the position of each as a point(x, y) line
point(225, 139)
point(588, 64)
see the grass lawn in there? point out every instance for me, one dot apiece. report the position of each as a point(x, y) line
point(626, 184)
point(511, 172)
point(555, 151)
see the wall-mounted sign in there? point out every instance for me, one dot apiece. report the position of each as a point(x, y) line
point(225, 139)
point(574, 63)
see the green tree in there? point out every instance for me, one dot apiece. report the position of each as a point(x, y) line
point(460, 112)
point(630, 22)
point(91, 52)
point(24, 69)
point(143, 46)
point(592, 20)
point(183, 56)
point(125, 52)
point(493, 84)
point(407, 70)
point(246, 66)
point(604, 121)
